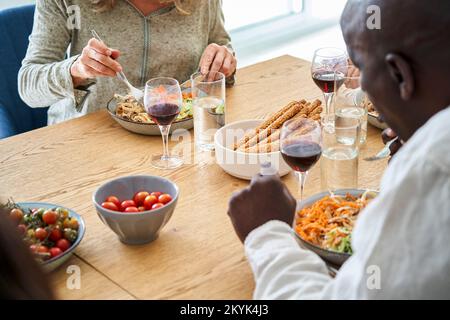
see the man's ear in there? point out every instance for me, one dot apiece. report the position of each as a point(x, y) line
point(401, 72)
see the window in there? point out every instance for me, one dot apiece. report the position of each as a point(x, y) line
point(4, 4)
point(261, 25)
point(244, 13)
point(241, 14)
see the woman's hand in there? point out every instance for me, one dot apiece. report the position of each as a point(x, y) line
point(96, 60)
point(218, 58)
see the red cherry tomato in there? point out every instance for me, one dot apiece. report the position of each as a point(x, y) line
point(141, 209)
point(63, 244)
point(41, 234)
point(139, 197)
point(55, 234)
point(114, 200)
point(165, 198)
point(156, 194)
point(41, 249)
point(110, 206)
point(150, 201)
point(127, 203)
point(22, 228)
point(16, 214)
point(33, 248)
point(131, 209)
point(50, 217)
point(157, 206)
point(55, 251)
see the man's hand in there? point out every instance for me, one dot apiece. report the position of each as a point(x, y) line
point(264, 200)
point(389, 134)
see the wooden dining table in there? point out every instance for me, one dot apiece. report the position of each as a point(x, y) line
point(197, 255)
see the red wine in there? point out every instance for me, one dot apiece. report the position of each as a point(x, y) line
point(164, 113)
point(326, 80)
point(301, 156)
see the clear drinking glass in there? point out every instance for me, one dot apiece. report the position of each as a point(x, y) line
point(329, 67)
point(208, 92)
point(301, 146)
point(339, 164)
point(163, 101)
point(350, 102)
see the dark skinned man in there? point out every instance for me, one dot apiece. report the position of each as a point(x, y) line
point(401, 239)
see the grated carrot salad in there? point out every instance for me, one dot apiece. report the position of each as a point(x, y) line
point(329, 222)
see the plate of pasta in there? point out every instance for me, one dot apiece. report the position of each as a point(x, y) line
point(131, 115)
point(324, 222)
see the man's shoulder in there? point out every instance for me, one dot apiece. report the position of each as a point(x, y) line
point(431, 143)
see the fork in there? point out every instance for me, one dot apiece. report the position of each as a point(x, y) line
point(384, 153)
point(135, 92)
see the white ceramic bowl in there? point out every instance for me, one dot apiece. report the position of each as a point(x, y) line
point(240, 164)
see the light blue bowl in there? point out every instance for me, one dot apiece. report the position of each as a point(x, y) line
point(55, 262)
point(141, 227)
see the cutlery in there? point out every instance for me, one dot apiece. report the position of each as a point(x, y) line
point(135, 92)
point(384, 153)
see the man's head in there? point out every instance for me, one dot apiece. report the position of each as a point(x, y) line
point(405, 65)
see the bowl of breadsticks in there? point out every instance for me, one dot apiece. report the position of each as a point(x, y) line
point(241, 147)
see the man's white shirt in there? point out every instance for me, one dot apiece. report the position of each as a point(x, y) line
point(401, 240)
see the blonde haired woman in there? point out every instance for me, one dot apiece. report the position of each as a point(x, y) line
point(74, 74)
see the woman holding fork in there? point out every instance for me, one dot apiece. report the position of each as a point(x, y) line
point(73, 73)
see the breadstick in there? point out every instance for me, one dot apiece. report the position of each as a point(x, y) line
point(314, 106)
point(264, 147)
point(263, 126)
point(277, 133)
point(275, 125)
point(274, 117)
point(316, 111)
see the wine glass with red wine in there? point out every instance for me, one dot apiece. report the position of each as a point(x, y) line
point(301, 146)
point(163, 100)
point(329, 68)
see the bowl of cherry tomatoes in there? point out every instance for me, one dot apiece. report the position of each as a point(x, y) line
point(136, 208)
point(50, 231)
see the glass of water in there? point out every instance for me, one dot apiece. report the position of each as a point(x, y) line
point(208, 92)
point(339, 164)
point(349, 104)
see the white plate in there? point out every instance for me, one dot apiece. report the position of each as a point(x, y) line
point(373, 120)
point(149, 129)
point(240, 164)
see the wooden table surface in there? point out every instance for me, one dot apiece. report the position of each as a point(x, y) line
point(197, 255)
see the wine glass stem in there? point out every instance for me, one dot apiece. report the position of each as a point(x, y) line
point(302, 179)
point(328, 102)
point(165, 136)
